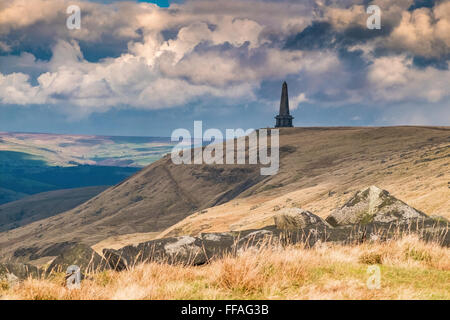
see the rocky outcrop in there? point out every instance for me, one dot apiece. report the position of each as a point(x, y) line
point(296, 218)
point(218, 244)
point(185, 250)
point(179, 250)
point(12, 273)
point(373, 205)
point(371, 214)
point(199, 250)
point(80, 255)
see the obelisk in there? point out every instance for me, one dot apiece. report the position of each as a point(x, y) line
point(284, 119)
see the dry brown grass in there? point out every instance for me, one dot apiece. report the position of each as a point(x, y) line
point(410, 269)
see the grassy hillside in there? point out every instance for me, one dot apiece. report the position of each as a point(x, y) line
point(43, 205)
point(412, 163)
point(320, 168)
point(409, 269)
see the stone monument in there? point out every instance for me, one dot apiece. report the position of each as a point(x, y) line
point(284, 119)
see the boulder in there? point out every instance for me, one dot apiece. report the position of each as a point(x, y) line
point(373, 205)
point(184, 250)
point(296, 218)
point(218, 244)
point(256, 239)
point(12, 273)
point(80, 255)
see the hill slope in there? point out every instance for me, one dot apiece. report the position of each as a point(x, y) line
point(415, 170)
point(23, 174)
point(319, 168)
point(43, 205)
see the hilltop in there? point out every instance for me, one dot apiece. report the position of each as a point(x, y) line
point(320, 168)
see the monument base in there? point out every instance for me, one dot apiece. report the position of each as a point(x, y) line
point(284, 121)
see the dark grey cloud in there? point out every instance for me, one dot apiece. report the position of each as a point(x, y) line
point(424, 62)
point(422, 4)
point(322, 35)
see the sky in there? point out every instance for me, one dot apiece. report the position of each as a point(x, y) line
point(145, 68)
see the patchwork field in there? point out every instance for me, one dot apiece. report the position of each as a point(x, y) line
point(67, 150)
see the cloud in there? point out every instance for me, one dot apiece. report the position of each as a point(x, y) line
point(395, 79)
point(154, 72)
point(137, 55)
point(16, 89)
point(296, 101)
point(424, 32)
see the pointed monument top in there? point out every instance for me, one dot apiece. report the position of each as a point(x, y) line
point(284, 119)
point(284, 103)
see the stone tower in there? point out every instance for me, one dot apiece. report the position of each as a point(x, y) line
point(284, 119)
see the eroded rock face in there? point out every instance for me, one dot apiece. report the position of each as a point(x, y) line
point(373, 205)
point(296, 218)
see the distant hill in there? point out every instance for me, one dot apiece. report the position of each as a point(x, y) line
point(31, 163)
point(320, 168)
point(43, 205)
point(7, 195)
point(68, 150)
point(22, 174)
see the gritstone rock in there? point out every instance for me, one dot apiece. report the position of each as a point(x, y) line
point(296, 218)
point(373, 205)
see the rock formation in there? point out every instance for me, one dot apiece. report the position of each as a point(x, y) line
point(296, 218)
point(80, 255)
point(373, 205)
point(371, 214)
